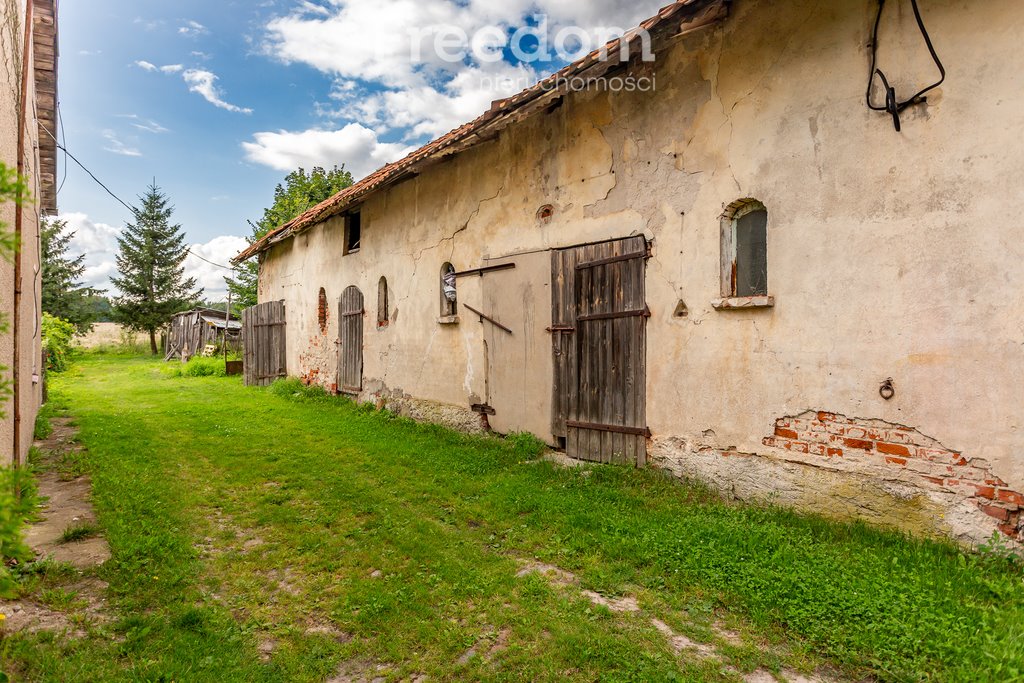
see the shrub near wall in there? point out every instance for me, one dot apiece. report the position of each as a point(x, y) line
point(57, 336)
point(13, 511)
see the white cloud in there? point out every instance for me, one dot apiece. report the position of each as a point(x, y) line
point(171, 68)
point(219, 250)
point(204, 83)
point(367, 47)
point(355, 145)
point(115, 145)
point(98, 241)
point(192, 29)
point(200, 55)
point(148, 66)
point(146, 125)
point(430, 111)
point(148, 24)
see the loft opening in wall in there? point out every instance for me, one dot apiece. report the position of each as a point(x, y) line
point(353, 232)
point(745, 249)
point(382, 302)
point(321, 310)
point(449, 293)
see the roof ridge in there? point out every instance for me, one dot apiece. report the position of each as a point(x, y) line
point(336, 204)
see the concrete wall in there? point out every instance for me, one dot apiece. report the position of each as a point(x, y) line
point(891, 255)
point(12, 13)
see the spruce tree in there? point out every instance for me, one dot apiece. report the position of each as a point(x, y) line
point(151, 261)
point(299, 192)
point(63, 294)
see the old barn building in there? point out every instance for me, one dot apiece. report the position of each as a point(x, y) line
point(746, 276)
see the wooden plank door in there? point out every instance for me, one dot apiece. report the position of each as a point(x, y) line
point(599, 326)
point(264, 353)
point(350, 366)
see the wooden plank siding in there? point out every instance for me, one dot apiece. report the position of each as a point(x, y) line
point(263, 343)
point(599, 319)
point(44, 50)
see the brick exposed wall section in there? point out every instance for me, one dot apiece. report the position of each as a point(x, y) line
point(829, 435)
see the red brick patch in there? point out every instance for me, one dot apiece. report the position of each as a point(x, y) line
point(1008, 496)
point(893, 449)
point(831, 435)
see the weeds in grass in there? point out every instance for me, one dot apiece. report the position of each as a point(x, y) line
point(57, 598)
point(18, 498)
point(197, 366)
point(999, 550)
point(70, 463)
point(79, 532)
point(43, 428)
point(293, 388)
point(526, 444)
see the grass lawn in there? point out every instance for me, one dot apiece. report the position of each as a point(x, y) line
point(278, 535)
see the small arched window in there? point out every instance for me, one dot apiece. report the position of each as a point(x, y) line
point(382, 302)
point(745, 250)
point(449, 292)
point(321, 311)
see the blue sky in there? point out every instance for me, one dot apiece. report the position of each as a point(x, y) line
point(219, 100)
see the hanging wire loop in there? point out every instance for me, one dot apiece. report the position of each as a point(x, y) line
point(893, 105)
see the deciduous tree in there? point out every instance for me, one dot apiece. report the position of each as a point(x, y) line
point(299, 192)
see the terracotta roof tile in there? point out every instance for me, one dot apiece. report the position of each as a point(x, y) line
point(501, 114)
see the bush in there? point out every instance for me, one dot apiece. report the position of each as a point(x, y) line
point(57, 336)
point(12, 518)
point(198, 366)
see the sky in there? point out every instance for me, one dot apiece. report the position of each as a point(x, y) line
point(216, 101)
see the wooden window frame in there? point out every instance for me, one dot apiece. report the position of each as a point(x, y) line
point(347, 248)
point(729, 220)
point(449, 309)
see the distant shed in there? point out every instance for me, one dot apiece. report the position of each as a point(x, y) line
point(191, 331)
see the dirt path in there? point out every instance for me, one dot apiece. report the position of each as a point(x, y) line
point(66, 541)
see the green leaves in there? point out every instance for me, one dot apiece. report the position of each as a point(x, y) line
point(299, 193)
point(57, 336)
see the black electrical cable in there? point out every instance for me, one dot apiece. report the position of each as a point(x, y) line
point(60, 122)
point(134, 211)
point(892, 104)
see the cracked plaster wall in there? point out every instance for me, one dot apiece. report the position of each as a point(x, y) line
point(890, 255)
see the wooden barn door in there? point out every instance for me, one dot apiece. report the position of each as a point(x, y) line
point(599, 320)
point(350, 367)
point(263, 343)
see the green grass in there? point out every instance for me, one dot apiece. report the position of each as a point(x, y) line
point(79, 532)
point(341, 534)
point(197, 366)
point(43, 428)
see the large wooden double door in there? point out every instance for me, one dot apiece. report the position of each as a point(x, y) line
point(599, 320)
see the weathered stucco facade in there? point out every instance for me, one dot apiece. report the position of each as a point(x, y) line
point(24, 319)
point(890, 255)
